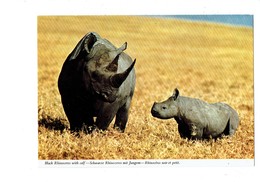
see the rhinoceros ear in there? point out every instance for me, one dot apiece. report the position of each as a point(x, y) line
point(86, 42)
point(89, 42)
point(175, 94)
point(117, 79)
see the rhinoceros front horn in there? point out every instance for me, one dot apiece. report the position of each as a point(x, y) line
point(119, 78)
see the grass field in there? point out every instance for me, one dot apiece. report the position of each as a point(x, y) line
point(207, 61)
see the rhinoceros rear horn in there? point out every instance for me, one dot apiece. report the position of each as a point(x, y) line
point(119, 78)
point(123, 47)
point(114, 64)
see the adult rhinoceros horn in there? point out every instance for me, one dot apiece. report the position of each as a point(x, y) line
point(119, 78)
point(122, 48)
point(114, 64)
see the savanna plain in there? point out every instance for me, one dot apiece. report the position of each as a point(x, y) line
point(208, 61)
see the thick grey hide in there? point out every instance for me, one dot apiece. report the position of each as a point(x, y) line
point(197, 119)
point(97, 80)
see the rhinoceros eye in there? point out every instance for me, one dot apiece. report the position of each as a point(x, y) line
point(163, 107)
point(97, 92)
point(105, 95)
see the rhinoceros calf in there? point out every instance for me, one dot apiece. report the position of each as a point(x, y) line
point(197, 119)
point(97, 80)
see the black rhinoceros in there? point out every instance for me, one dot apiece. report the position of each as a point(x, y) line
point(197, 119)
point(97, 80)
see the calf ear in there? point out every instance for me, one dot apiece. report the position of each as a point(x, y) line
point(175, 94)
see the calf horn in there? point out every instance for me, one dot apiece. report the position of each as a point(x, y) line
point(117, 79)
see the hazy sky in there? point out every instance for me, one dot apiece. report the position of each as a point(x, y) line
point(237, 20)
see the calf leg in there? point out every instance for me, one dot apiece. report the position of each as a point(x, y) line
point(196, 132)
point(183, 129)
point(234, 121)
point(227, 130)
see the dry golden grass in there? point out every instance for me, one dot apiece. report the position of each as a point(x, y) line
point(207, 61)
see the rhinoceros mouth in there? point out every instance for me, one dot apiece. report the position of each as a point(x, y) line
point(155, 113)
point(158, 115)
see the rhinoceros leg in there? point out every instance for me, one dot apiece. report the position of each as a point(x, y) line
point(105, 116)
point(232, 131)
point(196, 132)
point(190, 131)
point(232, 124)
point(103, 122)
point(77, 115)
point(73, 118)
point(121, 118)
point(81, 122)
point(234, 121)
point(78, 123)
point(227, 129)
point(183, 129)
